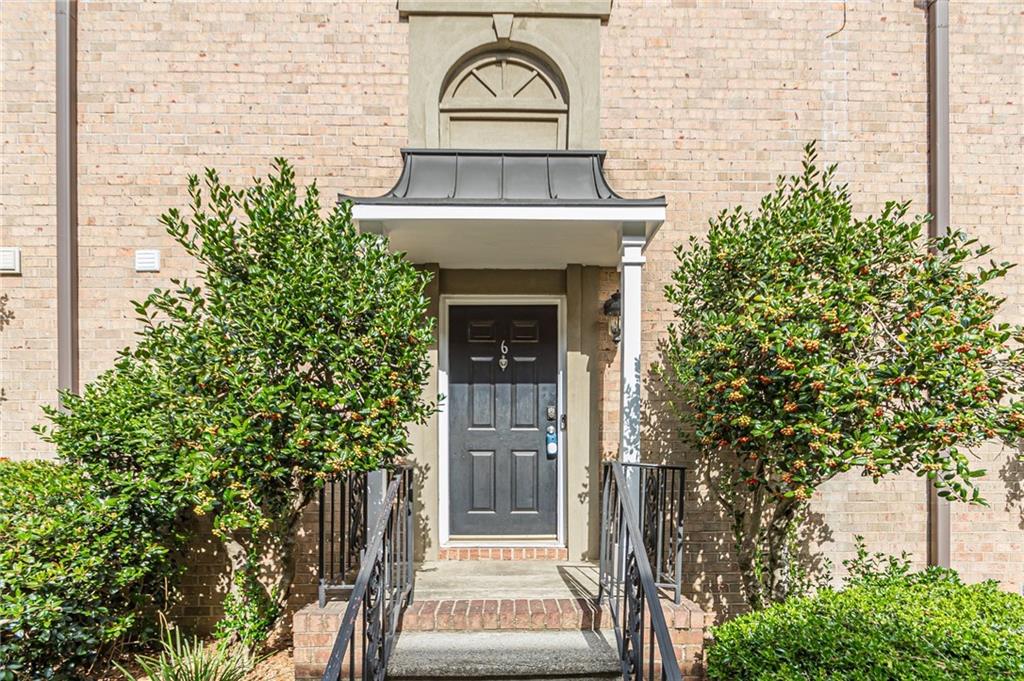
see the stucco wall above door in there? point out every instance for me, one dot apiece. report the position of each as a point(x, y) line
point(444, 37)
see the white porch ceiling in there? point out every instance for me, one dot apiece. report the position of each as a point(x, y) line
point(508, 242)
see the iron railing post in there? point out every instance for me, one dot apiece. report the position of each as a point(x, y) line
point(638, 502)
point(382, 587)
point(679, 533)
point(602, 560)
point(321, 590)
point(409, 545)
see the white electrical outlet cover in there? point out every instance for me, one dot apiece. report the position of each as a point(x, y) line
point(147, 260)
point(10, 260)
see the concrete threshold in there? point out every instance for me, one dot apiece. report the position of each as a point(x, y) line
point(499, 579)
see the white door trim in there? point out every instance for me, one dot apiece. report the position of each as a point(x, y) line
point(443, 509)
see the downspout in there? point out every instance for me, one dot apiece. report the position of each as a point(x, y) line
point(938, 206)
point(67, 195)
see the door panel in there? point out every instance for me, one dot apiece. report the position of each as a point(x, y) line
point(524, 392)
point(524, 481)
point(482, 390)
point(483, 481)
point(503, 376)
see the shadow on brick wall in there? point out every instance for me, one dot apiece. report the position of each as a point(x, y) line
point(1012, 475)
point(6, 315)
point(203, 582)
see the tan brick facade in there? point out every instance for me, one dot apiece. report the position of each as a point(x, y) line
point(705, 102)
point(987, 150)
point(28, 219)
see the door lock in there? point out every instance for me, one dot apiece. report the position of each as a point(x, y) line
point(552, 412)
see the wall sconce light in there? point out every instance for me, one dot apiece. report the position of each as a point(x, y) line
point(613, 310)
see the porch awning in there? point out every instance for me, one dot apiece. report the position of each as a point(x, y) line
point(507, 209)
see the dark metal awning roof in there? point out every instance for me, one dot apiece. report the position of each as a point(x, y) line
point(452, 177)
point(511, 209)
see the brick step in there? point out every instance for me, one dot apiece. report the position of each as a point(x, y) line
point(552, 614)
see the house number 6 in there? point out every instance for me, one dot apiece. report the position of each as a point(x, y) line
point(503, 362)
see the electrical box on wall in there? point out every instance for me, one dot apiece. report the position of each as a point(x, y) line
point(10, 260)
point(147, 260)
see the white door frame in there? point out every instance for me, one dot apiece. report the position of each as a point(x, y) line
point(559, 301)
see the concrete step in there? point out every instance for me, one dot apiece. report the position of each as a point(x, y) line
point(505, 655)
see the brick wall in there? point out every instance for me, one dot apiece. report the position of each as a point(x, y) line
point(28, 219)
point(168, 88)
point(987, 173)
point(704, 101)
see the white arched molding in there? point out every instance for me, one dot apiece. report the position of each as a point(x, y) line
point(504, 99)
point(481, 41)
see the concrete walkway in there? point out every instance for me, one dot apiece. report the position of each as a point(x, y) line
point(499, 655)
point(500, 579)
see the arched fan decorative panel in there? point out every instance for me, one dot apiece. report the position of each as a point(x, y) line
point(504, 100)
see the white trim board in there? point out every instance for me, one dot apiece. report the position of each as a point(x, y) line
point(443, 508)
point(653, 215)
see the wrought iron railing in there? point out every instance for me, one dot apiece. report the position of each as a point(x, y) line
point(661, 489)
point(382, 588)
point(627, 583)
point(343, 524)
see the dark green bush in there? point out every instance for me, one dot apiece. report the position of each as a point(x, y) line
point(77, 567)
point(922, 626)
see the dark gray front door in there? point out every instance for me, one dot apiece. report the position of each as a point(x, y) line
point(502, 392)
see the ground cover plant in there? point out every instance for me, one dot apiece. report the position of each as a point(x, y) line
point(186, 658)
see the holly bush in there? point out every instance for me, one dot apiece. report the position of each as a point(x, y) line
point(78, 564)
point(299, 351)
point(809, 342)
point(927, 626)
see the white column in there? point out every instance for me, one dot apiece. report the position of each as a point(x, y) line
point(632, 261)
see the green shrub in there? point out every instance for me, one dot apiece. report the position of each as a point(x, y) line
point(923, 626)
point(811, 342)
point(300, 349)
point(871, 567)
point(76, 569)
